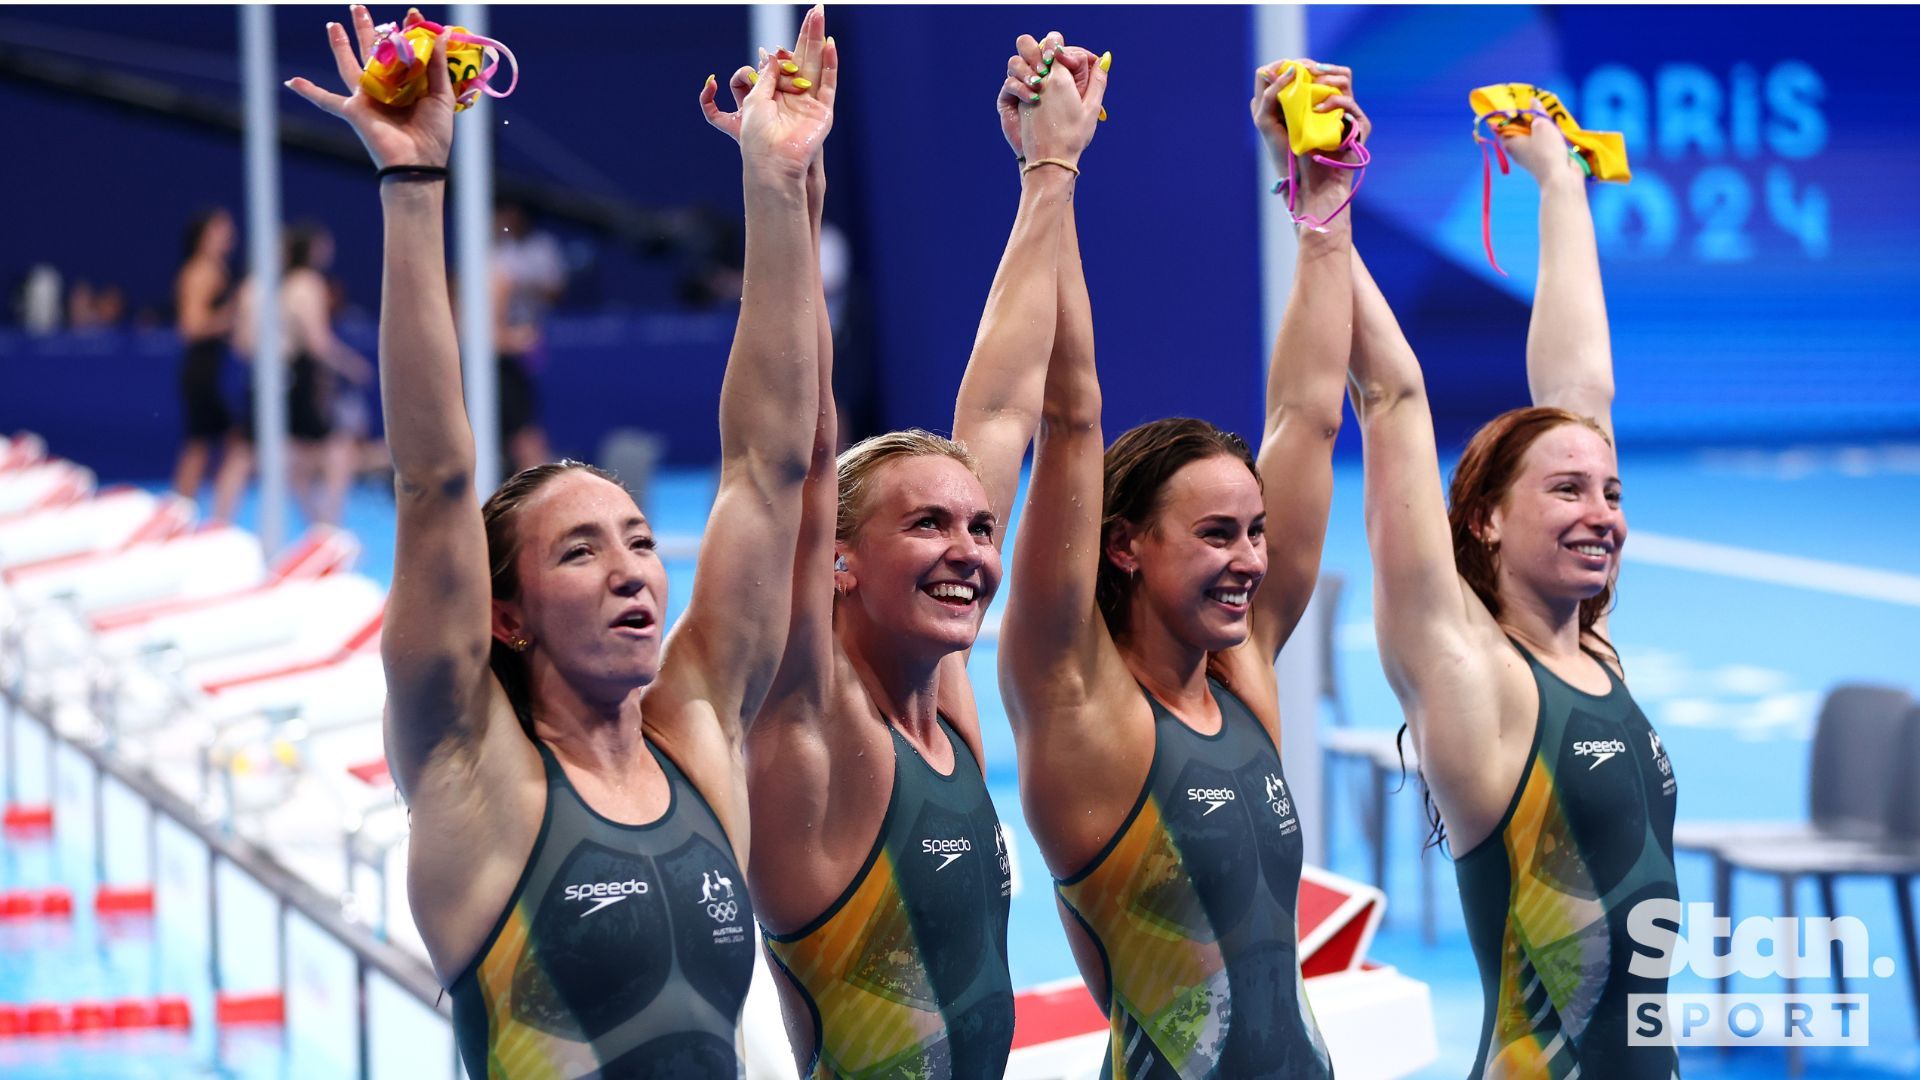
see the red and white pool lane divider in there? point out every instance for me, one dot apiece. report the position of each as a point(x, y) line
point(56, 902)
point(27, 818)
point(169, 1012)
point(163, 1012)
point(166, 1011)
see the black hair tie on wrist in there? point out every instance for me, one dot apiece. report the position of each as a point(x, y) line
point(412, 172)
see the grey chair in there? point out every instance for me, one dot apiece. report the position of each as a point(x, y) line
point(1888, 847)
point(1854, 745)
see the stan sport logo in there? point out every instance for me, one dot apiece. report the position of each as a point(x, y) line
point(1710, 947)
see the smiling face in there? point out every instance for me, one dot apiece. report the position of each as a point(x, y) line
point(922, 565)
point(1197, 562)
point(592, 591)
point(1559, 527)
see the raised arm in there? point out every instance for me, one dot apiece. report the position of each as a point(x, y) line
point(729, 645)
point(1055, 650)
point(1307, 372)
point(1569, 352)
point(435, 639)
point(1424, 615)
point(999, 402)
point(806, 658)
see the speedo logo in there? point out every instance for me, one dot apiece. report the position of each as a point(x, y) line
point(604, 894)
point(946, 850)
point(1214, 797)
point(1600, 750)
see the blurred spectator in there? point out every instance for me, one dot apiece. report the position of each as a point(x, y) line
point(91, 308)
point(353, 406)
point(529, 275)
point(110, 306)
point(322, 460)
point(203, 303)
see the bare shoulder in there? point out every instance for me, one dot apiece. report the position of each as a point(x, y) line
point(682, 722)
point(1082, 768)
point(1453, 670)
point(476, 807)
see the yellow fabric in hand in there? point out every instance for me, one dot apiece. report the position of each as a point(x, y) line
point(1308, 131)
point(1605, 152)
point(398, 76)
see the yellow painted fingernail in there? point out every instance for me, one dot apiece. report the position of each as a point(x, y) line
point(803, 84)
point(789, 67)
point(1103, 113)
point(1106, 61)
point(711, 79)
point(752, 77)
point(830, 41)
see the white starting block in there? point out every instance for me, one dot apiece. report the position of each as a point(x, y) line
point(42, 485)
point(207, 562)
point(256, 631)
point(24, 449)
point(321, 551)
point(111, 521)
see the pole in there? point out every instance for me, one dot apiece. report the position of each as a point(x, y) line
point(263, 258)
point(771, 26)
point(473, 248)
point(1281, 33)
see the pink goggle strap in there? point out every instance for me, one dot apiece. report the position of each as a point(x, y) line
point(483, 82)
point(389, 49)
point(1291, 186)
point(1486, 170)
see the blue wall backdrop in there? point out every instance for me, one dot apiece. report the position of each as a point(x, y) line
point(1759, 267)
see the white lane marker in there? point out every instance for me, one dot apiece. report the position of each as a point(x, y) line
point(1746, 563)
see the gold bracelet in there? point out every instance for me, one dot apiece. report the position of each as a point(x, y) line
point(1063, 163)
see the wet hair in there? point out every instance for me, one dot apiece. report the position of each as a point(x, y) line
point(501, 515)
point(1486, 473)
point(1136, 470)
point(860, 463)
point(197, 230)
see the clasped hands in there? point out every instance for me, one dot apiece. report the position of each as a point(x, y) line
point(1050, 103)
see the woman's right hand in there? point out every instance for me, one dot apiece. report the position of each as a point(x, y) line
point(417, 134)
point(786, 109)
point(1542, 150)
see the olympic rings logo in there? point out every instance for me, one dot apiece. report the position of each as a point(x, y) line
point(723, 910)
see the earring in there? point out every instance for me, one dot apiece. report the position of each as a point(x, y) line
point(840, 562)
point(519, 644)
